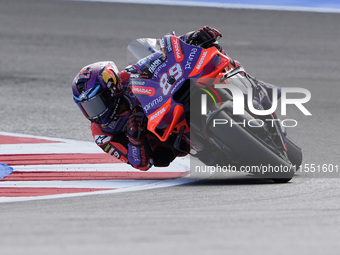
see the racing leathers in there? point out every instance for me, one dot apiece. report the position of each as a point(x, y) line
point(127, 137)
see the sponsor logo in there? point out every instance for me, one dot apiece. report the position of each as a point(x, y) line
point(134, 75)
point(136, 83)
point(177, 84)
point(135, 154)
point(159, 68)
point(85, 74)
point(161, 43)
point(143, 90)
point(154, 65)
point(112, 125)
point(200, 62)
point(157, 114)
point(190, 58)
point(168, 44)
point(130, 69)
point(154, 102)
point(177, 49)
point(142, 61)
point(101, 139)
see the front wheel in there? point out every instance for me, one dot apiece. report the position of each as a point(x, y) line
point(294, 153)
point(250, 151)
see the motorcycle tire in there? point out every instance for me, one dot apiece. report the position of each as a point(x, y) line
point(294, 153)
point(250, 151)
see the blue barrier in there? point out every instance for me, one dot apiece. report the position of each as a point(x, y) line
point(5, 170)
point(284, 3)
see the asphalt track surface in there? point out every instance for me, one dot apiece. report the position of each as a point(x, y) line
point(43, 44)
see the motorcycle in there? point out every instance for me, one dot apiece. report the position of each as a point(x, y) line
point(186, 91)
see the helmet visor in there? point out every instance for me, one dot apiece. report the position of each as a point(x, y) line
point(93, 107)
point(96, 106)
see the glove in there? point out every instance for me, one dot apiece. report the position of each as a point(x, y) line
point(136, 128)
point(139, 152)
point(204, 35)
point(139, 156)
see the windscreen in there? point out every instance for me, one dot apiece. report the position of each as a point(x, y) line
point(141, 48)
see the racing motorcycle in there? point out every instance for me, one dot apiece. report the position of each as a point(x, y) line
point(186, 91)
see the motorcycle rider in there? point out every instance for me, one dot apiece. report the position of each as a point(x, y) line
point(118, 123)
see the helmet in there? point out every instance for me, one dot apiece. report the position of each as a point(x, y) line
point(96, 94)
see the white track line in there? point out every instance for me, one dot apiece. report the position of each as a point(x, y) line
point(179, 165)
point(146, 185)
